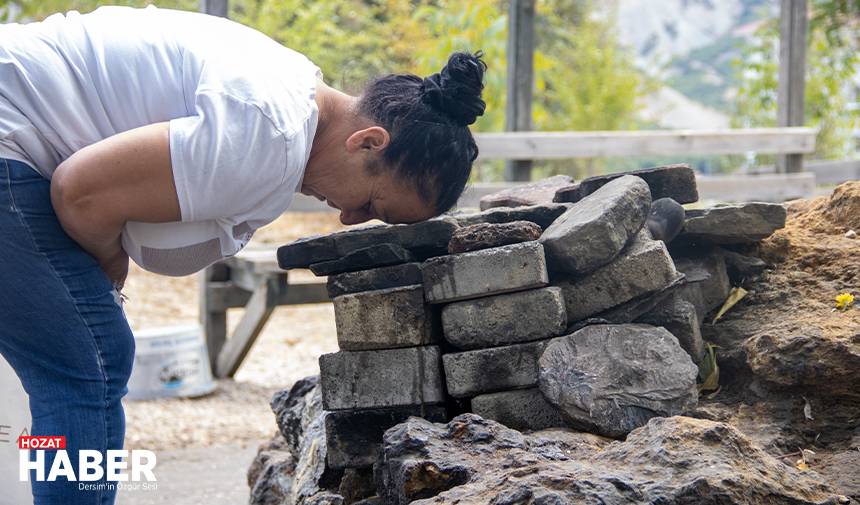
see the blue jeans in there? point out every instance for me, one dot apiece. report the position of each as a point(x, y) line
point(63, 331)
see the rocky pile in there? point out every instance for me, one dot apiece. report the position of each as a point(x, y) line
point(582, 313)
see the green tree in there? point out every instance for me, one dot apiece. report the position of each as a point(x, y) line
point(831, 65)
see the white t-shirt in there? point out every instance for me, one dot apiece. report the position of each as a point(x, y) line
point(241, 107)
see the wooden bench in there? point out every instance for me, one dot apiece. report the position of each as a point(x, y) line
point(251, 280)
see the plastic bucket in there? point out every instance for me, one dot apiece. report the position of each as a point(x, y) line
point(14, 420)
point(170, 362)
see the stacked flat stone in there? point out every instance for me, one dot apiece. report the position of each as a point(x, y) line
point(583, 312)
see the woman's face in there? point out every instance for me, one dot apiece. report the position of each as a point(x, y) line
point(374, 194)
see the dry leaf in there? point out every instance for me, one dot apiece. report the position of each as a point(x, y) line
point(735, 295)
point(709, 371)
point(807, 410)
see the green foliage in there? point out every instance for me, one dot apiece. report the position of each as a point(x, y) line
point(831, 63)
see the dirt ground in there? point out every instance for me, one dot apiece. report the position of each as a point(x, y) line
point(237, 413)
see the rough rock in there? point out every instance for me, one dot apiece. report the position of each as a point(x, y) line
point(542, 215)
point(355, 437)
point(680, 318)
point(487, 235)
point(486, 272)
point(677, 182)
point(496, 369)
point(644, 267)
point(522, 409)
point(611, 379)
point(291, 405)
point(671, 461)
point(505, 319)
point(804, 357)
point(375, 256)
point(598, 227)
point(707, 281)
point(270, 477)
point(382, 378)
point(424, 239)
point(394, 276)
point(741, 267)
point(632, 310)
point(744, 223)
point(535, 193)
point(666, 219)
point(384, 319)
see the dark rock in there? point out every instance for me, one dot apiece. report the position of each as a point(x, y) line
point(707, 282)
point(522, 409)
point(629, 312)
point(357, 483)
point(505, 319)
point(677, 182)
point(681, 319)
point(270, 477)
point(670, 461)
point(487, 235)
point(611, 379)
point(384, 319)
point(744, 223)
point(375, 256)
point(666, 219)
point(598, 227)
point(541, 215)
point(474, 274)
point(355, 437)
point(394, 276)
point(381, 378)
point(643, 268)
point(290, 406)
point(534, 193)
point(741, 267)
point(424, 239)
point(496, 369)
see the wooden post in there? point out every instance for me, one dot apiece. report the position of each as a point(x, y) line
point(792, 66)
point(520, 79)
point(214, 7)
point(213, 316)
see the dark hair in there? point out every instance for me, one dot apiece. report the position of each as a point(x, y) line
point(427, 120)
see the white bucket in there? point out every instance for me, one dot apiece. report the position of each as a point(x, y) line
point(14, 421)
point(170, 361)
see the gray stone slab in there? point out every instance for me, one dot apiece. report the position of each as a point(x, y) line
point(677, 182)
point(681, 319)
point(611, 379)
point(522, 409)
point(538, 192)
point(505, 319)
point(486, 272)
point(542, 215)
point(628, 312)
point(741, 267)
point(733, 224)
point(384, 319)
point(643, 267)
point(486, 235)
point(488, 370)
point(598, 227)
point(424, 239)
point(354, 437)
point(374, 279)
point(379, 255)
point(378, 379)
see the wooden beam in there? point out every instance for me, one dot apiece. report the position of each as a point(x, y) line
point(257, 312)
point(792, 69)
point(520, 79)
point(215, 7)
point(213, 315)
point(557, 145)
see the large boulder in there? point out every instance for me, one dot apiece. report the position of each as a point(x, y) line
point(611, 379)
point(675, 460)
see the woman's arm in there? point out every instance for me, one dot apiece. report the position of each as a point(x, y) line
point(126, 177)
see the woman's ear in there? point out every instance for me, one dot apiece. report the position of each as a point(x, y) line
point(375, 138)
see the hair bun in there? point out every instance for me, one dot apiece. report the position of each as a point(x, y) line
point(456, 90)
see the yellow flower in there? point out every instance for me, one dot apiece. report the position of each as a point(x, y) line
point(844, 301)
